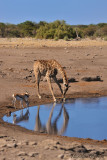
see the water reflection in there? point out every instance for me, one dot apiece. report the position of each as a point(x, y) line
point(89, 100)
point(82, 117)
point(21, 117)
point(51, 126)
point(83, 100)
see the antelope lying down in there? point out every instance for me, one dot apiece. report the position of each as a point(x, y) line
point(21, 97)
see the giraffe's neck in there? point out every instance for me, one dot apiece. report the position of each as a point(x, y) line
point(65, 79)
point(64, 76)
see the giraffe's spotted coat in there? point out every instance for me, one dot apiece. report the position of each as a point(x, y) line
point(50, 68)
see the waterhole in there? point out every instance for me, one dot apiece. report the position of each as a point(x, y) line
point(82, 118)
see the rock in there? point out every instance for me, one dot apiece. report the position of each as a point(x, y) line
point(48, 142)
point(26, 142)
point(46, 147)
point(58, 143)
point(19, 143)
point(55, 147)
point(22, 143)
point(80, 149)
point(2, 142)
point(67, 51)
point(1, 149)
point(61, 156)
point(93, 152)
point(22, 154)
point(33, 154)
point(12, 145)
point(89, 79)
point(32, 143)
point(4, 159)
point(87, 54)
point(75, 144)
point(76, 147)
point(2, 136)
point(99, 152)
point(51, 148)
point(72, 158)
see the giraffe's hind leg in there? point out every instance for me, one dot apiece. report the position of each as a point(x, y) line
point(37, 84)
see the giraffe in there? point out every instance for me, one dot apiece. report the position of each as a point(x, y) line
point(49, 69)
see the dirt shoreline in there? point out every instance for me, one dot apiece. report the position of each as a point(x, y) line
point(88, 59)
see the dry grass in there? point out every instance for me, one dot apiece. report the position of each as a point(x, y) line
point(32, 42)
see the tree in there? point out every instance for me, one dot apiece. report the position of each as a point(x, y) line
point(27, 29)
point(2, 29)
point(90, 30)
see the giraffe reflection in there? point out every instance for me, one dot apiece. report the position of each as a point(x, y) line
point(22, 117)
point(51, 127)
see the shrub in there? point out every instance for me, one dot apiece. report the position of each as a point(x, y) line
point(105, 38)
point(56, 39)
point(90, 30)
point(26, 28)
point(2, 29)
point(66, 38)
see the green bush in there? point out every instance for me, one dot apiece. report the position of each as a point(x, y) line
point(56, 38)
point(105, 38)
point(89, 31)
point(54, 30)
point(2, 29)
point(66, 38)
point(26, 29)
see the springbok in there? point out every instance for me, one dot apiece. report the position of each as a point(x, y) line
point(21, 97)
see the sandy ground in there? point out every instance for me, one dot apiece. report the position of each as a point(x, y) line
point(86, 58)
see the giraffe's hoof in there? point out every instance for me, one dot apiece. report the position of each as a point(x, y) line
point(54, 103)
point(40, 97)
point(54, 100)
point(63, 99)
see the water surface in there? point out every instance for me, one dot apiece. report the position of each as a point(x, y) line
point(82, 117)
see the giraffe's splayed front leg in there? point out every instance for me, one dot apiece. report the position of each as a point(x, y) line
point(64, 99)
point(64, 91)
point(54, 99)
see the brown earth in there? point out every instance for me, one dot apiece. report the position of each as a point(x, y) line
point(86, 58)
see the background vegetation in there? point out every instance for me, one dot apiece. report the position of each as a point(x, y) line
point(54, 30)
